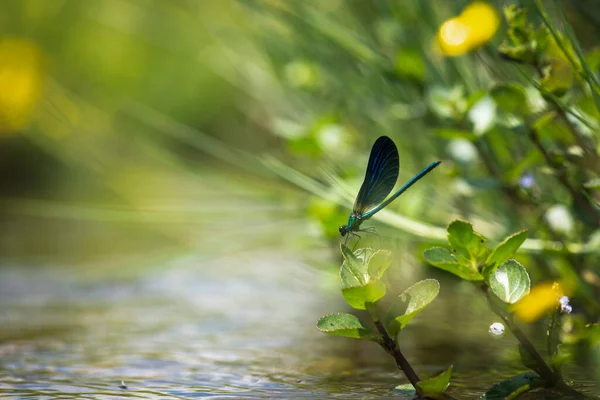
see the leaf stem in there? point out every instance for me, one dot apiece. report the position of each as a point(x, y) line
point(391, 346)
point(545, 372)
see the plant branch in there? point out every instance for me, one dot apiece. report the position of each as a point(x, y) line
point(391, 346)
point(542, 368)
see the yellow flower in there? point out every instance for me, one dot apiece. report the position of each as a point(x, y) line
point(20, 82)
point(542, 298)
point(475, 26)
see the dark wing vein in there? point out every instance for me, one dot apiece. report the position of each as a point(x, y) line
point(381, 175)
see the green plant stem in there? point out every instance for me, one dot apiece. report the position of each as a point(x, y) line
point(391, 346)
point(543, 369)
point(545, 372)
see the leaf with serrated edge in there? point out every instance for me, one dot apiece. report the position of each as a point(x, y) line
point(379, 263)
point(345, 325)
point(505, 250)
point(510, 282)
point(435, 386)
point(443, 259)
point(411, 302)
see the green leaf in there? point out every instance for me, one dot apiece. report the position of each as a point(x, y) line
point(346, 325)
point(467, 245)
point(443, 259)
point(436, 386)
point(510, 282)
point(505, 250)
point(550, 126)
point(411, 302)
point(519, 384)
point(510, 98)
point(358, 296)
point(379, 263)
point(559, 79)
point(359, 287)
point(354, 268)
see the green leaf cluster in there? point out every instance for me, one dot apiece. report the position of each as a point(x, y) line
point(539, 48)
point(361, 275)
point(470, 259)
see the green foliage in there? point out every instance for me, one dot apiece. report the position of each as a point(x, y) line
point(378, 263)
point(444, 259)
point(510, 98)
point(468, 246)
point(346, 325)
point(513, 386)
point(505, 250)
point(435, 387)
point(360, 276)
point(411, 302)
point(510, 282)
point(360, 297)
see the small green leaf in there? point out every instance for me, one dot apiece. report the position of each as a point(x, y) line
point(358, 296)
point(505, 250)
point(411, 302)
point(519, 383)
point(354, 268)
point(467, 245)
point(436, 386)
point(510, 282)
point(346, 325)
point(379, 263)
point(510, 98)
point(550, 126)
point(443, 259)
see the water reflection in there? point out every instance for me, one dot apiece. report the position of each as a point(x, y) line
point(239, 326)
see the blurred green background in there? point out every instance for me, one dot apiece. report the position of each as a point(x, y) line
point(137, 133)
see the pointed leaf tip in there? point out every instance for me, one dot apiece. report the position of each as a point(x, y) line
point(411, 302)
point(345, 325)
point(436, 386)
point(505, 250)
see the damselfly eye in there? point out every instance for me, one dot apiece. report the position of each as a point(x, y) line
point(343, 230)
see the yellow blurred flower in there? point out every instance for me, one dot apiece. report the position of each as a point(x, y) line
point(20, 82)
point(475, 26)
point(542, 298)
